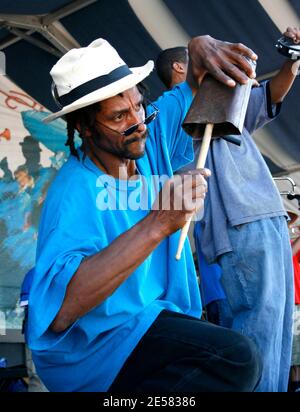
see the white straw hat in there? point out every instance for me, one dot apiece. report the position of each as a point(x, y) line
point(90, 74)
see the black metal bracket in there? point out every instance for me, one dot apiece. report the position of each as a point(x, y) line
point(294, 196)
point(288, 48)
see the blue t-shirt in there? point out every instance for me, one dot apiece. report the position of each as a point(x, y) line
point(77, 221)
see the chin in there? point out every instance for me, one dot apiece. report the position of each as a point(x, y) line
point(134, 156)
point(137, 153)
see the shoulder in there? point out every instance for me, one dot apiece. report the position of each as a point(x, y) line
point(181, 93)
point(73, 189)
point(174, 104)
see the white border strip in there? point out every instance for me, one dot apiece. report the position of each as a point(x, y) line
point(160, 23)
point(281, 12)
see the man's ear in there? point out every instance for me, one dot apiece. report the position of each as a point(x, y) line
point(178, 67)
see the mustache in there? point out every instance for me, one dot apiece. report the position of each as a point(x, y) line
point(136, 139)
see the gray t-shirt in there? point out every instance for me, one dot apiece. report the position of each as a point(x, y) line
point(241, 188)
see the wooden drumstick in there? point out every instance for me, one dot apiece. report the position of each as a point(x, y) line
point(200, 165)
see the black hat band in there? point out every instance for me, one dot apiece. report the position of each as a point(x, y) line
point(94, 84)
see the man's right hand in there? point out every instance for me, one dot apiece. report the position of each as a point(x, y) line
point(225, 61)
point(180, 197)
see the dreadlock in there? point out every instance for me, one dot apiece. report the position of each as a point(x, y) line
point(144, 91)
point(71, 133)
point(85, 118)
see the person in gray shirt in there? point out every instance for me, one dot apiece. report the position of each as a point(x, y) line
point(171, 66)
point(244, 229)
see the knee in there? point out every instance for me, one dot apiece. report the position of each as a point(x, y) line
point(248, 362)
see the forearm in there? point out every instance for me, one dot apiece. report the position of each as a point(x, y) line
point(194, 75)
point(101, 274)
point(296, 246)
point(281, 83)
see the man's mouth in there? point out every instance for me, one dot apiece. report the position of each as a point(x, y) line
point(135, 139)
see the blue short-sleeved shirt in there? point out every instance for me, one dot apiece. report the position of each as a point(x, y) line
point(210, 274)
point(77, 222)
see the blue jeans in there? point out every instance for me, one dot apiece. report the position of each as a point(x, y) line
point(258, 281)
point(219, 312)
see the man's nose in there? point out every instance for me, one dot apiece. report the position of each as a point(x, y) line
point(138, 119)
point(141, 127)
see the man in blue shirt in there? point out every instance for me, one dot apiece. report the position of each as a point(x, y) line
point(110, 307)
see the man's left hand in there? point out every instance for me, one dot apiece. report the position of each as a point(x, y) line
point(227, 62)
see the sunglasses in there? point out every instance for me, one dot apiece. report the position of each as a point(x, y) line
point(133, 128)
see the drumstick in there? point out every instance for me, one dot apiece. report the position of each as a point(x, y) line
point(200, 165)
